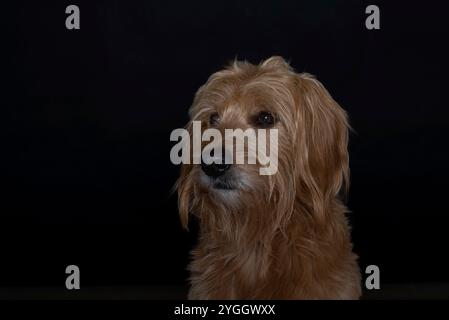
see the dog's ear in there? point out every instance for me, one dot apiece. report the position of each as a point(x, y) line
point(185, 186)
point(324, 137)
point(185, 191)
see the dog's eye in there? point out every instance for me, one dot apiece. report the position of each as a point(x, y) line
point(214, 119)
point(265, 119)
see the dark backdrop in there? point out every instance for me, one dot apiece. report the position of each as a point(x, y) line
point(86, 117)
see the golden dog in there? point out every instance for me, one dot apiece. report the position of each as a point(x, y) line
point(281, 236)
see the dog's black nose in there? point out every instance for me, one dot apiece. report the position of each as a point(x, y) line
point(214, 169)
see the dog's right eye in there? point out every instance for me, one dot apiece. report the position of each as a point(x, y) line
point(265, 119)
point(214, 119)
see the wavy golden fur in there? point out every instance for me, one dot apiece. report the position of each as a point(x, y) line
point(283, 236)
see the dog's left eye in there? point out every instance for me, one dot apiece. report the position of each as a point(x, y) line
point(214, 119)
point(265, 119)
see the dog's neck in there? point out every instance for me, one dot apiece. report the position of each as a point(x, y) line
point(254, 244)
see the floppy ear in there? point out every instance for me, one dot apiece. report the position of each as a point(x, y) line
point(324, 138)
point(185, 186)
point(185, 190)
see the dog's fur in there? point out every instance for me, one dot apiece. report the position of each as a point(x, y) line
point(283, 236)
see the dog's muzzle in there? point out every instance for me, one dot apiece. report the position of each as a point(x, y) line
point(219, 172)
point(215, 170)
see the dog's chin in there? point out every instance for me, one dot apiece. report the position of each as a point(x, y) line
point(223, 184)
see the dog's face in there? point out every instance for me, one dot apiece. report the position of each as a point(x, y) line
point(311, 154)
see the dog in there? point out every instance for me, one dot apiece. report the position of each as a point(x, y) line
point(280, 236)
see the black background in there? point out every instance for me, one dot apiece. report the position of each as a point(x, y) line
point(86, 117)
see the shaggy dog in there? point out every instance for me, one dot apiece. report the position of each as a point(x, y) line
point(281, 236)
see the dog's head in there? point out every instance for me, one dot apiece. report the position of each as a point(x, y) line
point(312, 157)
